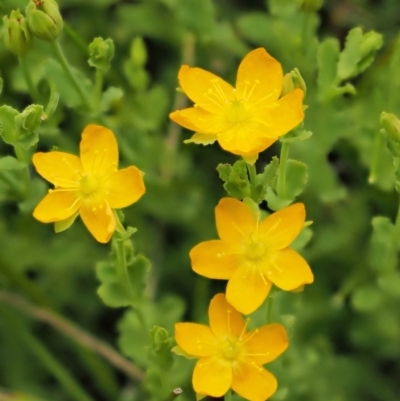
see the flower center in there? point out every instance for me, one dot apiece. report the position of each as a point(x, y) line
point(88, 185)
point(237, 112)
point(255, 250)
point(231, 349)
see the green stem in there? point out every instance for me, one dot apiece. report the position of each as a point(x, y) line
point(68, 71)
point(73, 35)
point(282, 170)
point(98, 90)
point(31, 87)
point(24, 156)
point(376, 157)
point(305, 32)
point(173, 394)
point(251, 168)
point(228, 395)
point(38, 349)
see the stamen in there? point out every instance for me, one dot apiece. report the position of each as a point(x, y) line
point(244, 328)
point(273, 226)
point(75, 202)
point(252, 334)
point(69, 165)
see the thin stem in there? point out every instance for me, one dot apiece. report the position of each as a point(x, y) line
point(77, 334)
point(68, 71)
point(98, 90)
point(39, 350)
point(305, 32)
point(397, 227)
point(282, 170)
point(31, 87)
point(376, 158)
point(251, 168)
point(24, 156)
point(173, 394)
point(73, 35)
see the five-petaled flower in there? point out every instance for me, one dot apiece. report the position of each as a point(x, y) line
point(230, 357)
point(244, 120)
point(253, 254)
point(90, 185)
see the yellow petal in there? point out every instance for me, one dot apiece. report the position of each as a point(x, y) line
point(288, 270)
point(99, 221)
point(202, 139)
point(213, 259)
point(206, 89)
point(266, 343)
point(253, 382)
point(57, 206)
point(60, 168)
point(60, 226)
point(212, 376)
point(199, 119)
point(259, 78)
point(279, 229)
point(245, 139)
point(250, 159)
point(234, 220)
point(287, 114)
point(99, 150)
point(196, 339)
point(125, 187)
point(247, 289)
point(224, 319)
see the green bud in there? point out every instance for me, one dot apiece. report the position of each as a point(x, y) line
point(293, 80)
point(391, 125)
point(311, 6)
point(30, 118)
point(138, 52)
point(101, 52)
point(44, 19)
point(17, 35)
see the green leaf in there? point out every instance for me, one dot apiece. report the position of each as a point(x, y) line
point(328, 56)
point(382, 254)
point(109, 97)
point(8, 126)
point(302, 239)
point(236, 179)
point(350, 55)
point(295, 135)
point(265, 179)
point(159, 350)
point(11, 163)
point(114, 290)
point(296, 178)
point(274, 202)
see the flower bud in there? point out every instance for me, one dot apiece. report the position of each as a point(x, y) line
point(138, 52)
point(17, 35)
point(44, 19)
point(30, 118)
point(371, 42)
point(391, 125)
point(311, 6)
point(293, 80)
point(101, 52)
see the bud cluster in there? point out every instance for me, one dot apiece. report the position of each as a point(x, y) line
point(43, 20)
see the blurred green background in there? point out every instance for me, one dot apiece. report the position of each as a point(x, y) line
point(344, 329)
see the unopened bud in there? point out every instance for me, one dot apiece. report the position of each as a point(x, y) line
point(30, 119)
point(311, 6)
point(138, 52)
point(391, 125)
point(293, 80)
point(44, 19)
point(101, 52)
point(371, 42)
point(17, 35)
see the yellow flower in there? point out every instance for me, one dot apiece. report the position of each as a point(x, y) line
point(228, 356)
point(91, 185)
point(253, 254)
point(247, 119)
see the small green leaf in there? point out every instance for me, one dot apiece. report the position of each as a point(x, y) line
point(274, 202)
point(302, 239)
point(328, 56)
point(160, 347)
point(110, 96)
point(296, 178)
point(8, 126)
point(295, 135)
point(265, 179)
point(350, 55)
point(236, 179)
point(11, 163)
